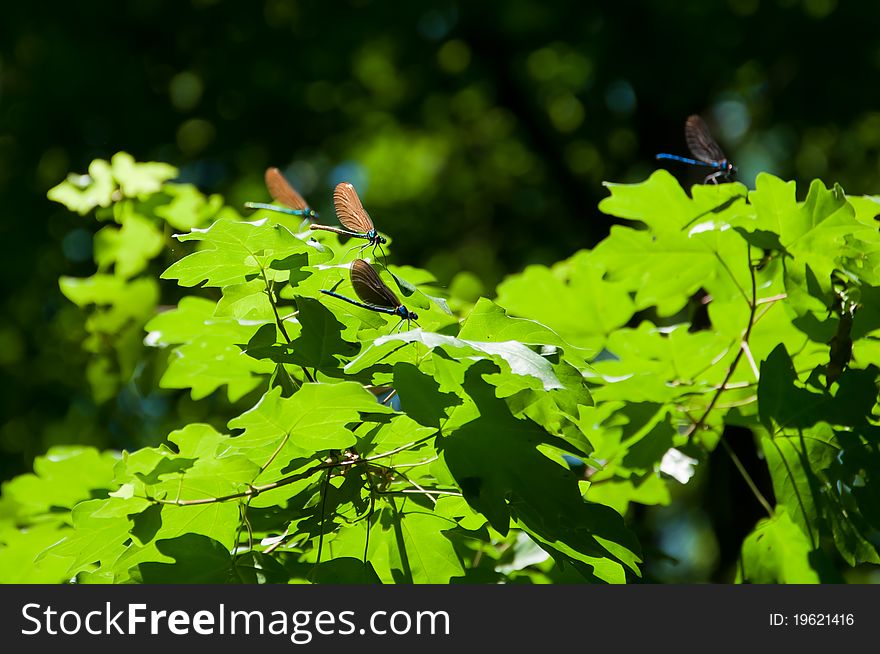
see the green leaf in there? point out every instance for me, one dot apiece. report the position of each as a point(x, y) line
point(248, 301)
point(504, 476)
point(130, 248)
point(217, 521)
point(420, 395)
point(426, 555)
point(182, 324)
point(139, 179)
point(774, 202)
point(94, 539)
point(489, 322)
point(197, 560)
point(19, 548)
point(558, 411)
point(82, 193)
point(799, 466)
point(213, 361)
point(785, 404)
point(126, 300)
point(661, 364)
point(664, 206)
point(649, 490)
point(258, 568)
point(62, 478)
point(319, 343)
point(664, 270)
point(777, 552)
point(400, 431)
point(817, 232)
point(234, 252)
point(211, 355)
point(573, 298)
point(188, 208)
point(211, 468)
point(315, 419)
point(459, 510)
point(519, 359)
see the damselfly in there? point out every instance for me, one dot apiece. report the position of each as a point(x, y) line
point(374, 293)
point(281, 191)
point(354, 218)
point(705, 149)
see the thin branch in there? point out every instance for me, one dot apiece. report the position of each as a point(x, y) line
point(253, 491)
point(321, 526)
point(733, 385)
point(742, 350)
point(797, 492)
point(418, 488)
point(243, 522)
point(373, 493)
point(772, 298)
point(764, 311)
point(743, 402)
point(385, 455)
point(417, 463)
point(748, 479)
point(423, 491)
point(274, 454)
point(751, 359)
point(720, 356)
point(699, 424)
point(736, 282)
point(278, 542)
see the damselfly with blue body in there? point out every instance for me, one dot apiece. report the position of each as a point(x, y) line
point(354, 218)
point(281, 191)
point(705, 149)
point(374, 293)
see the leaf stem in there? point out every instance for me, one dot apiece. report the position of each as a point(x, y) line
point(742, 350)
point(274, 305)
point(278, 319)
point(700, 423)
point(748, 479)
point(323, 517)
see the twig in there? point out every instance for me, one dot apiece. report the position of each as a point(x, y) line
point(743, 349)
point(748, 479)
point(321, 525)
point(423, 491)
point(253, 491)
point(699, 424)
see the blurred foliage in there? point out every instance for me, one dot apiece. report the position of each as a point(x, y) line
point(478, 133)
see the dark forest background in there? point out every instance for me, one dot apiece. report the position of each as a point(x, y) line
point(478, 133)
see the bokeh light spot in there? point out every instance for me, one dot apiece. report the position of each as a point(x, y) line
point(194, 136)
point(185, 90)
point(454, 56)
